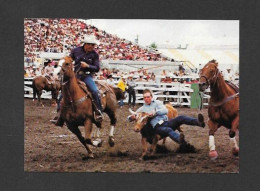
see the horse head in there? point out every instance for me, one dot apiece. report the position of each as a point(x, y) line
point(66, 71)
point(208, 75)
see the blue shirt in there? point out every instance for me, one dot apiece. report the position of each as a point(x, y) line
point(160, 111)
point(91, 58)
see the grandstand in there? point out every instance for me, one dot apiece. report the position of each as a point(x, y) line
point(53, 38)
point(227, 56)
point(61, 35)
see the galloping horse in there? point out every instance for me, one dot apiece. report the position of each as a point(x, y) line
point(223, 107)
point(41, 83)
point(77, 109)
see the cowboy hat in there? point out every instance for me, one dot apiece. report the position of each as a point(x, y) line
point(90, 39)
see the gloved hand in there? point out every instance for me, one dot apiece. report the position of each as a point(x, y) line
point(84, 65)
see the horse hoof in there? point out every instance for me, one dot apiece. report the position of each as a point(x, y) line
point(235, 151)
point(111, 141)
point(213, 155)
point(100, 144)
point(91, 156)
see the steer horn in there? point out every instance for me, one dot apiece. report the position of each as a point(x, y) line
point(131, 111)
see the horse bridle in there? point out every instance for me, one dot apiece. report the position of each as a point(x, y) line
point(208, 79)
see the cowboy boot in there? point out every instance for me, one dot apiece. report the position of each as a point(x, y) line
point(98, 116)
point(182, 139)
point(201, 122)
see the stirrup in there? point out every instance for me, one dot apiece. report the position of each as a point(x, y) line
point(98, 117)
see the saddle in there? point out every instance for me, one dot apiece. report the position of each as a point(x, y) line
point(49, 79)
point(233, 86)
point(102, 87)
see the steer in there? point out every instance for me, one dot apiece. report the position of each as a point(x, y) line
point(148, 133)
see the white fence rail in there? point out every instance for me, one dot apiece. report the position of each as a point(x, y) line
point(178, 94)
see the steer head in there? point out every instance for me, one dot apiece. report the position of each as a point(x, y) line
point(141, 120)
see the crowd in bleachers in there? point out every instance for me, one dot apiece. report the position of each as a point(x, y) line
point(115, 74)
point(62, 35)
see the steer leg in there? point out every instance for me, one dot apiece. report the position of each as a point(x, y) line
point(154, 144)
point(232, 135)
point(144, 147)
point(213, 127)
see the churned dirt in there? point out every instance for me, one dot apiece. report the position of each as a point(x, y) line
point(48, 148)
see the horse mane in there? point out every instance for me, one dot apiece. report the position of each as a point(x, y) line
point(213, 61)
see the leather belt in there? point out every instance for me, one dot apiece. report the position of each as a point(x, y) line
point(159, 124)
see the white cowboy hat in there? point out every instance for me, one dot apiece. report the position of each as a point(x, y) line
point(90, 39)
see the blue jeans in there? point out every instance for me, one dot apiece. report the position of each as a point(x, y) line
point(168, 127)
point(121, 102)
point(92, 87)
point(131, 93)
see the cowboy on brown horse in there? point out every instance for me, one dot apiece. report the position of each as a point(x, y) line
point(86, 64)
point(77, 107)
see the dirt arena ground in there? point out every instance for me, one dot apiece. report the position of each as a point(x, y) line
point(48, 148)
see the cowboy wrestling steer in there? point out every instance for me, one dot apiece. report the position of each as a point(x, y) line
point(148, 132)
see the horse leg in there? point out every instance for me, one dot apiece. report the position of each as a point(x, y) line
point(113, 120)
point(88, 131)
point(96, 134)
point(77, 132)
point(213, 127)
point(39, 93)
point(34, 94)
point(232, 135)
point(54, 100)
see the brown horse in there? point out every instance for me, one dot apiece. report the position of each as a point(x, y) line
point(40, 83)
point(77, 108)
point(223, 107)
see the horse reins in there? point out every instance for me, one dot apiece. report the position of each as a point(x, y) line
point(77, 102)
point(216, 78)
point(224, 101)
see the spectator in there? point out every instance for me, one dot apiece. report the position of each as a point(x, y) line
point(110, 80)
point(38, 72)
point(131, 91)
point(229, 75)
point(122, 85)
